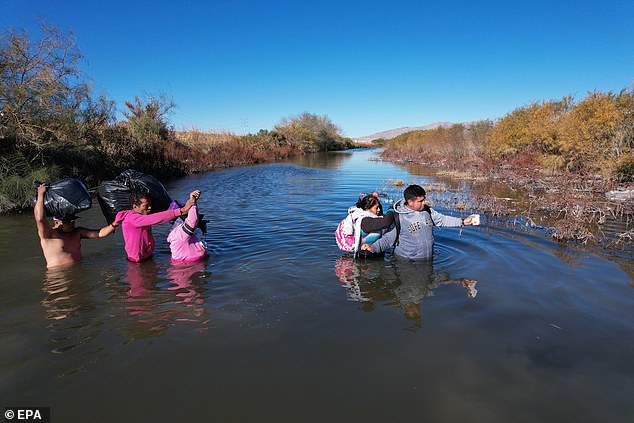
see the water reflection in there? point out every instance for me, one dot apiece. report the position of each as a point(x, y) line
point(71, 310)
point(402, 284)
point(182, 275)
point(155, 303)
point(323, 160)
point(141, 277)
point(66, 293)
point(483, 186)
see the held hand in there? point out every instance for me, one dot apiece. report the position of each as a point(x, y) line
point(188, 205)
point(191, 201)
point(194, 195)
point(467, 220)
point(366, 247)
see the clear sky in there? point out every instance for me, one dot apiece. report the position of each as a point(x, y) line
point(241, 66)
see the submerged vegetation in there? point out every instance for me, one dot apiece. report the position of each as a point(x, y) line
point(53, 125)
point(570, 158)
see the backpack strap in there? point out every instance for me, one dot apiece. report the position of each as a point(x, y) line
point(397, 222)
point(428, 210)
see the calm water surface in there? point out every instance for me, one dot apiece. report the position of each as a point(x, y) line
point(277, 325)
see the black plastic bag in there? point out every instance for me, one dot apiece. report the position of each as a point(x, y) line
point(114, 196)
point(66, 197)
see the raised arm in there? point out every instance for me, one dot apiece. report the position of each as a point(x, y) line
point(101, 233)
point(444, 220)
point(191, 201)
point(142, 220)
point(39, 213)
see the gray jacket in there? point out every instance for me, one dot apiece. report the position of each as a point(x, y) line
point(416, 238)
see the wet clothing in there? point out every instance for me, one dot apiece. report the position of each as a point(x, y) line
point(374, 228)
point(185, 239)
point(137, 231)
point(416, 237)
point(353, 225)
point(378, 223)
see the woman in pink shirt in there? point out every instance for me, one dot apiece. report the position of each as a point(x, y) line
point(137, 225)
point(185, 238)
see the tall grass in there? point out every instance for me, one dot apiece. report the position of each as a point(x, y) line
point(16, 181)
point(182, 153)
point(213, 150)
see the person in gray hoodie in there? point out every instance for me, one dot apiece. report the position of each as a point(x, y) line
point(413, 237)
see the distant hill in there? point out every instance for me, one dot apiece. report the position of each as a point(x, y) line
point(398, 131)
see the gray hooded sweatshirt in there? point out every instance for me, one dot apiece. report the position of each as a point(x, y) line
point(416, 238)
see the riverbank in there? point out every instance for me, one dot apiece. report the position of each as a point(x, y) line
point(589, 209)
point(117, 148)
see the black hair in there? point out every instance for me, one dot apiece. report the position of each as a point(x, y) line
point(412, 192)
point(137, 196)
point(367, 202)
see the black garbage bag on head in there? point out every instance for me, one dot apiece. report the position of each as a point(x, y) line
point(66, 197)
point(114, 196)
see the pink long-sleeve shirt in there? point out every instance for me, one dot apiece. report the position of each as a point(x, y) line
point(137, 231)
point(186, 247)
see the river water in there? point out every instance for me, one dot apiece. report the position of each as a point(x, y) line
point(278, 325)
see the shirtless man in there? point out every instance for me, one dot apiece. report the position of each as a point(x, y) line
point(61, 244)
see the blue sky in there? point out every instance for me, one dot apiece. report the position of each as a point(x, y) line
point(370, 66)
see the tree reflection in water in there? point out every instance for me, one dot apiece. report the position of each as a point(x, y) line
point(400, 283)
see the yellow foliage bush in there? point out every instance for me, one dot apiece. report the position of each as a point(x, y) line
point(575, 137)
point(623, 169)
point(587, 132)
point(552, 163)
point(534, 126)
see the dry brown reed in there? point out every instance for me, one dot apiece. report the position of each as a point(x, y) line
point(570, 208)
point(206, 151)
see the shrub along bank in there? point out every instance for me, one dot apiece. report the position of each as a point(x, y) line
point(589, 137)
point(52, 125)
point(566, 154)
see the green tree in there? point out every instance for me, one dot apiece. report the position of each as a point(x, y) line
point(150, 117)
point(310, 132)
point(44, 99)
